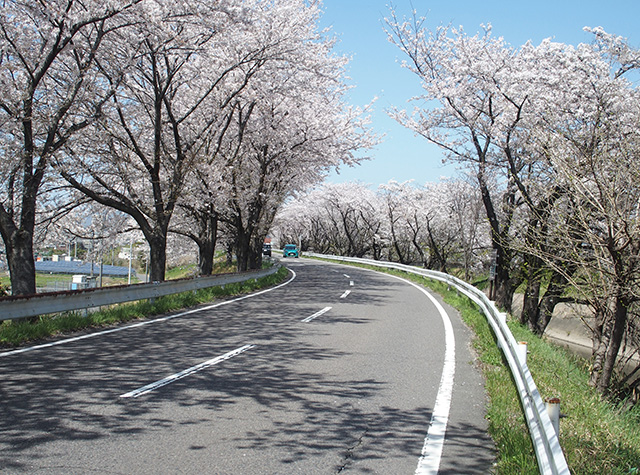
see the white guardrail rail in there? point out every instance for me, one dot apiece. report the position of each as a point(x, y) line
point(56, 302)
point(550, 457)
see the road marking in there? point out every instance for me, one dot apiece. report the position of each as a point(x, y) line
point(346, 276)
point(316, 315)
point(344, 296)
point(429, 462)
point(147, 322)
point(182, 374)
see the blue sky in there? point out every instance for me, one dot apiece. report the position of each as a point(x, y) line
point(375, 69)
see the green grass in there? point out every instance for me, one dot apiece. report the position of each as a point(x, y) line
point(596, 435)
point(181, 272)
point(16, 332)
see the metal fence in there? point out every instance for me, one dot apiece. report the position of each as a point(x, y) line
point(57, 302)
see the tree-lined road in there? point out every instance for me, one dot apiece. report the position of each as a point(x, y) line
point(337, 371)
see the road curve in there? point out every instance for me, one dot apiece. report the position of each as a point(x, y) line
point(340, 370)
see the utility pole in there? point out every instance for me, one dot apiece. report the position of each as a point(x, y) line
point(130, 256)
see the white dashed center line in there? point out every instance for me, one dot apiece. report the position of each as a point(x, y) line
point(316, 315)
point(194, 369)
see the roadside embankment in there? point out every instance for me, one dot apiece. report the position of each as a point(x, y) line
point(569, 328)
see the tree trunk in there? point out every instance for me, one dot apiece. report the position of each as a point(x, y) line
point(207, 246)
point(242, 249)
point(18, 237)
point(557, 285)
point(229, 252)
point(503, 285)
point(437, 257)
point(21, 264)
point(206, 251)
point(531, 305)
point(396, 245)
point(504, 288)
point(547, 306)
point(158, 254)
point(600, 338)
point(255, 253)
point(619, 325)
point(420, 251)
point(530, 315)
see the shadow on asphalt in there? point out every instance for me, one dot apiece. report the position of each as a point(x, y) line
point(72, 392)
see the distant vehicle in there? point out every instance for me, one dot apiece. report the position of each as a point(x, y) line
point(266, 249)
point(290, 250)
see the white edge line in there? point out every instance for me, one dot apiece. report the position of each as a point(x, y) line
point(194, 369)
point(316, 315)
point(147, 322)
point(429, 462)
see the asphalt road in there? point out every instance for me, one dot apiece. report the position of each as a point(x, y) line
point(337, 371)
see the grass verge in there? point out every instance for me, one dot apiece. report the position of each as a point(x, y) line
point(17, 332)
point(596, 436)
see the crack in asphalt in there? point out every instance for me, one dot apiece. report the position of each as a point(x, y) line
point(351, 450)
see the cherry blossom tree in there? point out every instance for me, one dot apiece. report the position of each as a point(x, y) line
point(549, 133)
point(476, 82)
point(224, 98)
point(298, 223)
point(342, 219)
point(352, 211)
point(47, 95)
point(199, 219)
point(174, 77)
point(401, 222)
point(437, 225)
point(401, 204)
point(289, 144)
point(595, 156)
point(456, 236)
point(465, 212)
point(490, 97)
point(286, 130)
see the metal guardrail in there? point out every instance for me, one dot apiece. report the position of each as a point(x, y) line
point(549, 454)
point(56, 302)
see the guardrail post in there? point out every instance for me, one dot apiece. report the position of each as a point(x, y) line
point(503, 317)
point(553, 409)
point(522, 352)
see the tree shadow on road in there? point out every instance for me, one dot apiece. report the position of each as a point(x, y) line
point(74, 393)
